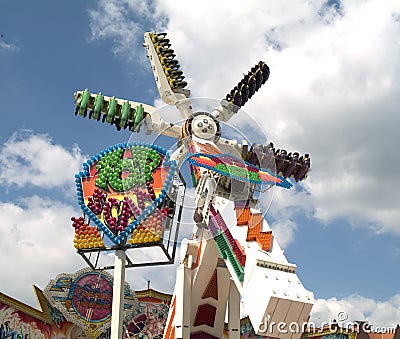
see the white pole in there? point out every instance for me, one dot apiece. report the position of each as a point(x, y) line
point(118, 295)
point(183, 294)
point(234, 311)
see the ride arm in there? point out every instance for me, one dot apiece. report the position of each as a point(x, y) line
point(205, 195)
point(124, 114)
point(288, 165)
point(242, 92)
point(167, 73)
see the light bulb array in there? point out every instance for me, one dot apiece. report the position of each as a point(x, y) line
point(86, 236)
point(119, 219)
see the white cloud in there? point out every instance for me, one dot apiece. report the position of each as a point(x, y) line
point(121, 22)
point(332, 92)
point(162, 278)
point(284, 231)
point(36, 235)
point(7, 46)
point(33, 159)
point(36, 238)
point(378, 313)
point(282, 215)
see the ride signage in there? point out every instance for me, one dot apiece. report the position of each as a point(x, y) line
point(123, 190)
point(85, 298)
point(91, 296)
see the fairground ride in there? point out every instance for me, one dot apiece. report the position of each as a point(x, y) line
point(133, 195)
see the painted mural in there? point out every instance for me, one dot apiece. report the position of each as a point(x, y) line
point(150, 316)
point(16, 324)
point(148, 323)
point(146, 320)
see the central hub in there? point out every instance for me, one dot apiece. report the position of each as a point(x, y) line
point(203, 126)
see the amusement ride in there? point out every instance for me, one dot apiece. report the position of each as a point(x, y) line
point(134, 195)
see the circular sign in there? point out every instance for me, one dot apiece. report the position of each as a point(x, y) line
point(91, 297)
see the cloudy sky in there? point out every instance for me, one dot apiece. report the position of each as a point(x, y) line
point(333, 92)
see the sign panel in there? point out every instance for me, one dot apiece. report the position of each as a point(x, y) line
point(85, 299)
point(124, 192)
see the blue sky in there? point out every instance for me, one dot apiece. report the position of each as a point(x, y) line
point(333, 92)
